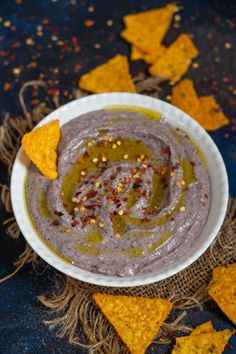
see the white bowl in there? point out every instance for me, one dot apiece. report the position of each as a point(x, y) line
point(216, 168)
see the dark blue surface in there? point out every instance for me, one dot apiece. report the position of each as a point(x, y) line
point(59, 56)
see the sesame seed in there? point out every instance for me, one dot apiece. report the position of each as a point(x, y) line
point(83, 172)
point(16, 71)
point(110, 202)
point(98, 184)
point(110, 139)
point(138, 159)
point(144, 165)
point(74, 200)
point(95, 159)
point(97, 45)
point(121, 212)
point(84, 198)
point(62, 193)
point(104, 159)
point(125, 156)
point(101, 225)
point(178, 183)
point(142, 156)
point(109, 23)
point(76, 209)
point(117, 235)
point(168, 97)
point(183, 183)
point(89, 144)
point(92, 221)
point(7, 24)
point(114, 146)
point(182, 208)
point(137, 175)
point(177, 17)
point(67, 230)
point(82, 208)
point(195, 65)
point(228, 45)
point(118, 142)
point(172, 174)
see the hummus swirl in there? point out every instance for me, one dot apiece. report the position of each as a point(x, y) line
point(132, 194)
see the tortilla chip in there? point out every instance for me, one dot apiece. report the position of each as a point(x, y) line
point(145, 30)
point(224, 294)
point(226, 273)
point(185, 97)
point(176, 60)
point(137, 320)
point(213, 116)
point(205, 110)
point(41, 147)
point(209, 342)
point(203, 328)
point(109, 77)
point(137, 54)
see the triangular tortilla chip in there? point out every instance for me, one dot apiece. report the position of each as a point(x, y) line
point(212, 114)
point(224, 273)
point(224, 294)
point(137, 320)
point(41, 147)
point(176, 60)
point(146, 29)
point(109, 77)
point(205, 110)
point(209, 342)
point(137, 54)
point(203, 328)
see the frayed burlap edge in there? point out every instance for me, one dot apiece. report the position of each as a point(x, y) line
point(70, 302)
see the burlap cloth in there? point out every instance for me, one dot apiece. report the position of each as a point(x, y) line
point(70, 302)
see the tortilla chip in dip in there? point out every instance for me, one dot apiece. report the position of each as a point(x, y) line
point(41, 147)
point(109, 77)
point(137, 320)
point(176, 60)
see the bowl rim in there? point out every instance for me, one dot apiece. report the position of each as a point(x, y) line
point(87, 104)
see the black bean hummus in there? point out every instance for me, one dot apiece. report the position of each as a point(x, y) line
point(132, 195)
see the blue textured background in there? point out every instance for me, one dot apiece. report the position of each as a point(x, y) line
point(59, 53)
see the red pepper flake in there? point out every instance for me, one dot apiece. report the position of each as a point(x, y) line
point(206, 196)
point(133, 171)
point(80, 160)
point(95, 177)
point(56, 222)
point(58, 213)
point(193, 163)
point(89, 23)
point(229, 346)
point(7, 86)
point(85, 221)
point(145, 220)
point(143, 169)
point(119, 168)
point(74, 223)
point(65, 205)
point(86, 154)
point(113, 177)
point(35, 102)
point(54, 92)
point(144, 193)
point(126, 180)
point(91, 194)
